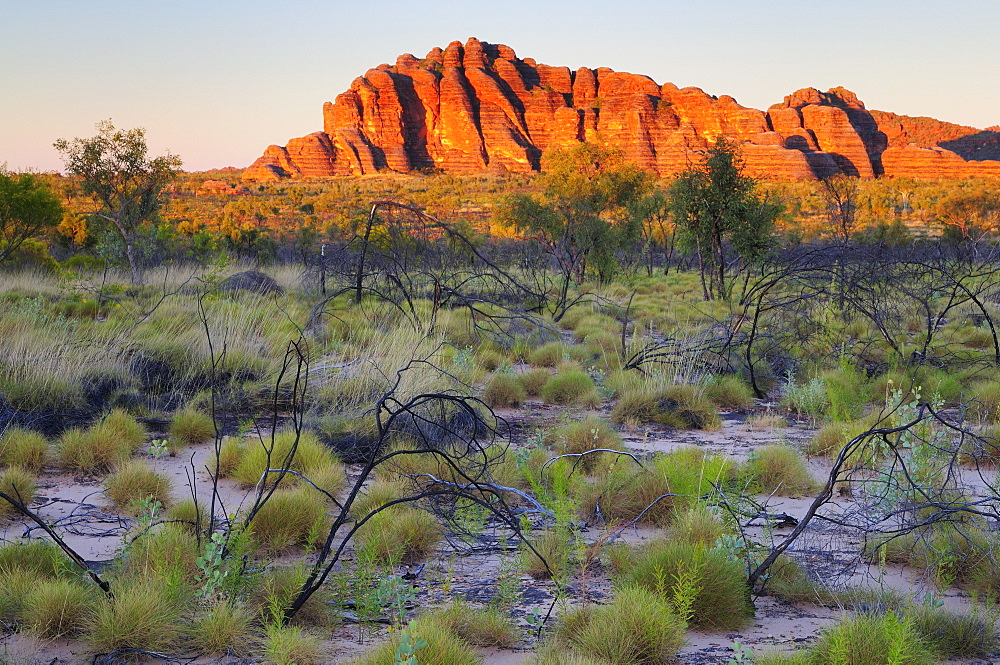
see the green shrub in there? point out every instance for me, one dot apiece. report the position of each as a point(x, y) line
point(224, 628)
point(142, 614)
point(956, 635)
point(23, 448)
point(806, 399)
point(637, 628)
point(400, 533)
point(554, 547)
point(681, 406)
point(290, 517)
point(583, 435)
point(503, 390)
point(18, 484)
point(721, 599)
point(92, 451)
point(481, 626)
point(572, 387)
point(443, 646)
point(871, 639)
point(291, 645)
point(190, 426)
point(58, 608)
point(309, 455)
point(548, 355)
point(779, 469)
point(729, 392)
point(534, 381)
point(135, 482)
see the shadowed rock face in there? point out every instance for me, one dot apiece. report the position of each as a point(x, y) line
point(476, 106)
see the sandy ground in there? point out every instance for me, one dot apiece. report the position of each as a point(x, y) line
point(88, 523)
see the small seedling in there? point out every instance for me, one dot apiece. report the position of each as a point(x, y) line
point(158, 448)
point(742, 655)
point(408, 647)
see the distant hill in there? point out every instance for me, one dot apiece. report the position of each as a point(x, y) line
point(478, 107)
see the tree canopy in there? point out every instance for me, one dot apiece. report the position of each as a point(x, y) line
point(126, 183)
point(27, 208)
point(714, 204)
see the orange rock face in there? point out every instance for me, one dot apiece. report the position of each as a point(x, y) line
point(476, 106)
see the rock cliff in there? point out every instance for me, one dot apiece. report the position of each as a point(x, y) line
point(476, 106)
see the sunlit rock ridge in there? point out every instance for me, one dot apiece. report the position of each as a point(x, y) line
point(478, 107)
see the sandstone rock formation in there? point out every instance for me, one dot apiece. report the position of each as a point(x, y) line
point(476, 106)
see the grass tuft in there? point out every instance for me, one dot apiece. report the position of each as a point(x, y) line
point(24, 448)
point(190, 426)
point(225, 628)
point(135, 482)
point(19, 485)
point(572, 387)
point(58, 608)
point(780, 469)
point(503, 391)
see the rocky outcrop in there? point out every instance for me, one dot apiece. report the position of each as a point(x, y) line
point(476, 106)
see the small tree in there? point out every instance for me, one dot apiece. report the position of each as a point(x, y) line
point(27, 208)
point(714, 203)
point(582, 215)
point(840, 194)
point(126, 184)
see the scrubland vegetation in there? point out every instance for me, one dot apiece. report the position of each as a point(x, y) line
point(353, 422)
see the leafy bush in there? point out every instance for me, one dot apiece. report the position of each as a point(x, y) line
point(23, 448)
point(806, 399)
point(573, 387)
point(503, 390)
point(135, 482)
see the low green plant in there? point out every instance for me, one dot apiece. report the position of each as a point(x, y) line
point(868, 639)
point(190, 426)
point(638, 627)
point(18, 484)
point(194, 515)
point(42, 558)
point(721, 600)
point(572, 387)
point(92, 450)
point(442, 646)
point(503, 391)
point(134, 482)
point(256, 456)
point(779, 469)
point(224, 628)
point(23, 448)
point(554, 547)
point(548, 355)
point(682, 406)
point(142, 614)
point(289, 517)
point(971, 634)
point(58, 608)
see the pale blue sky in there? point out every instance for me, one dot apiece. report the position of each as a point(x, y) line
point(218, 81)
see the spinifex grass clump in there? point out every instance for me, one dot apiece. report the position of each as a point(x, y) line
point(638, 627)
point(59, 608)
point(503, 390)
point(779, 469)
point(707, 579)
point(534, 380)
point(481, 626)
point(864, 639)
point(257, 455)
point(682, 406)
point(135, 484)
point(103, 446)
point(224, 628)
point(23, 448)
point(142, 614)
point(572, 387)
point(588, 434)
point(190, 426)
point(290, 517)
point(442, 647)
point(729, 392)
point(19, 485)
point(400, 533)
